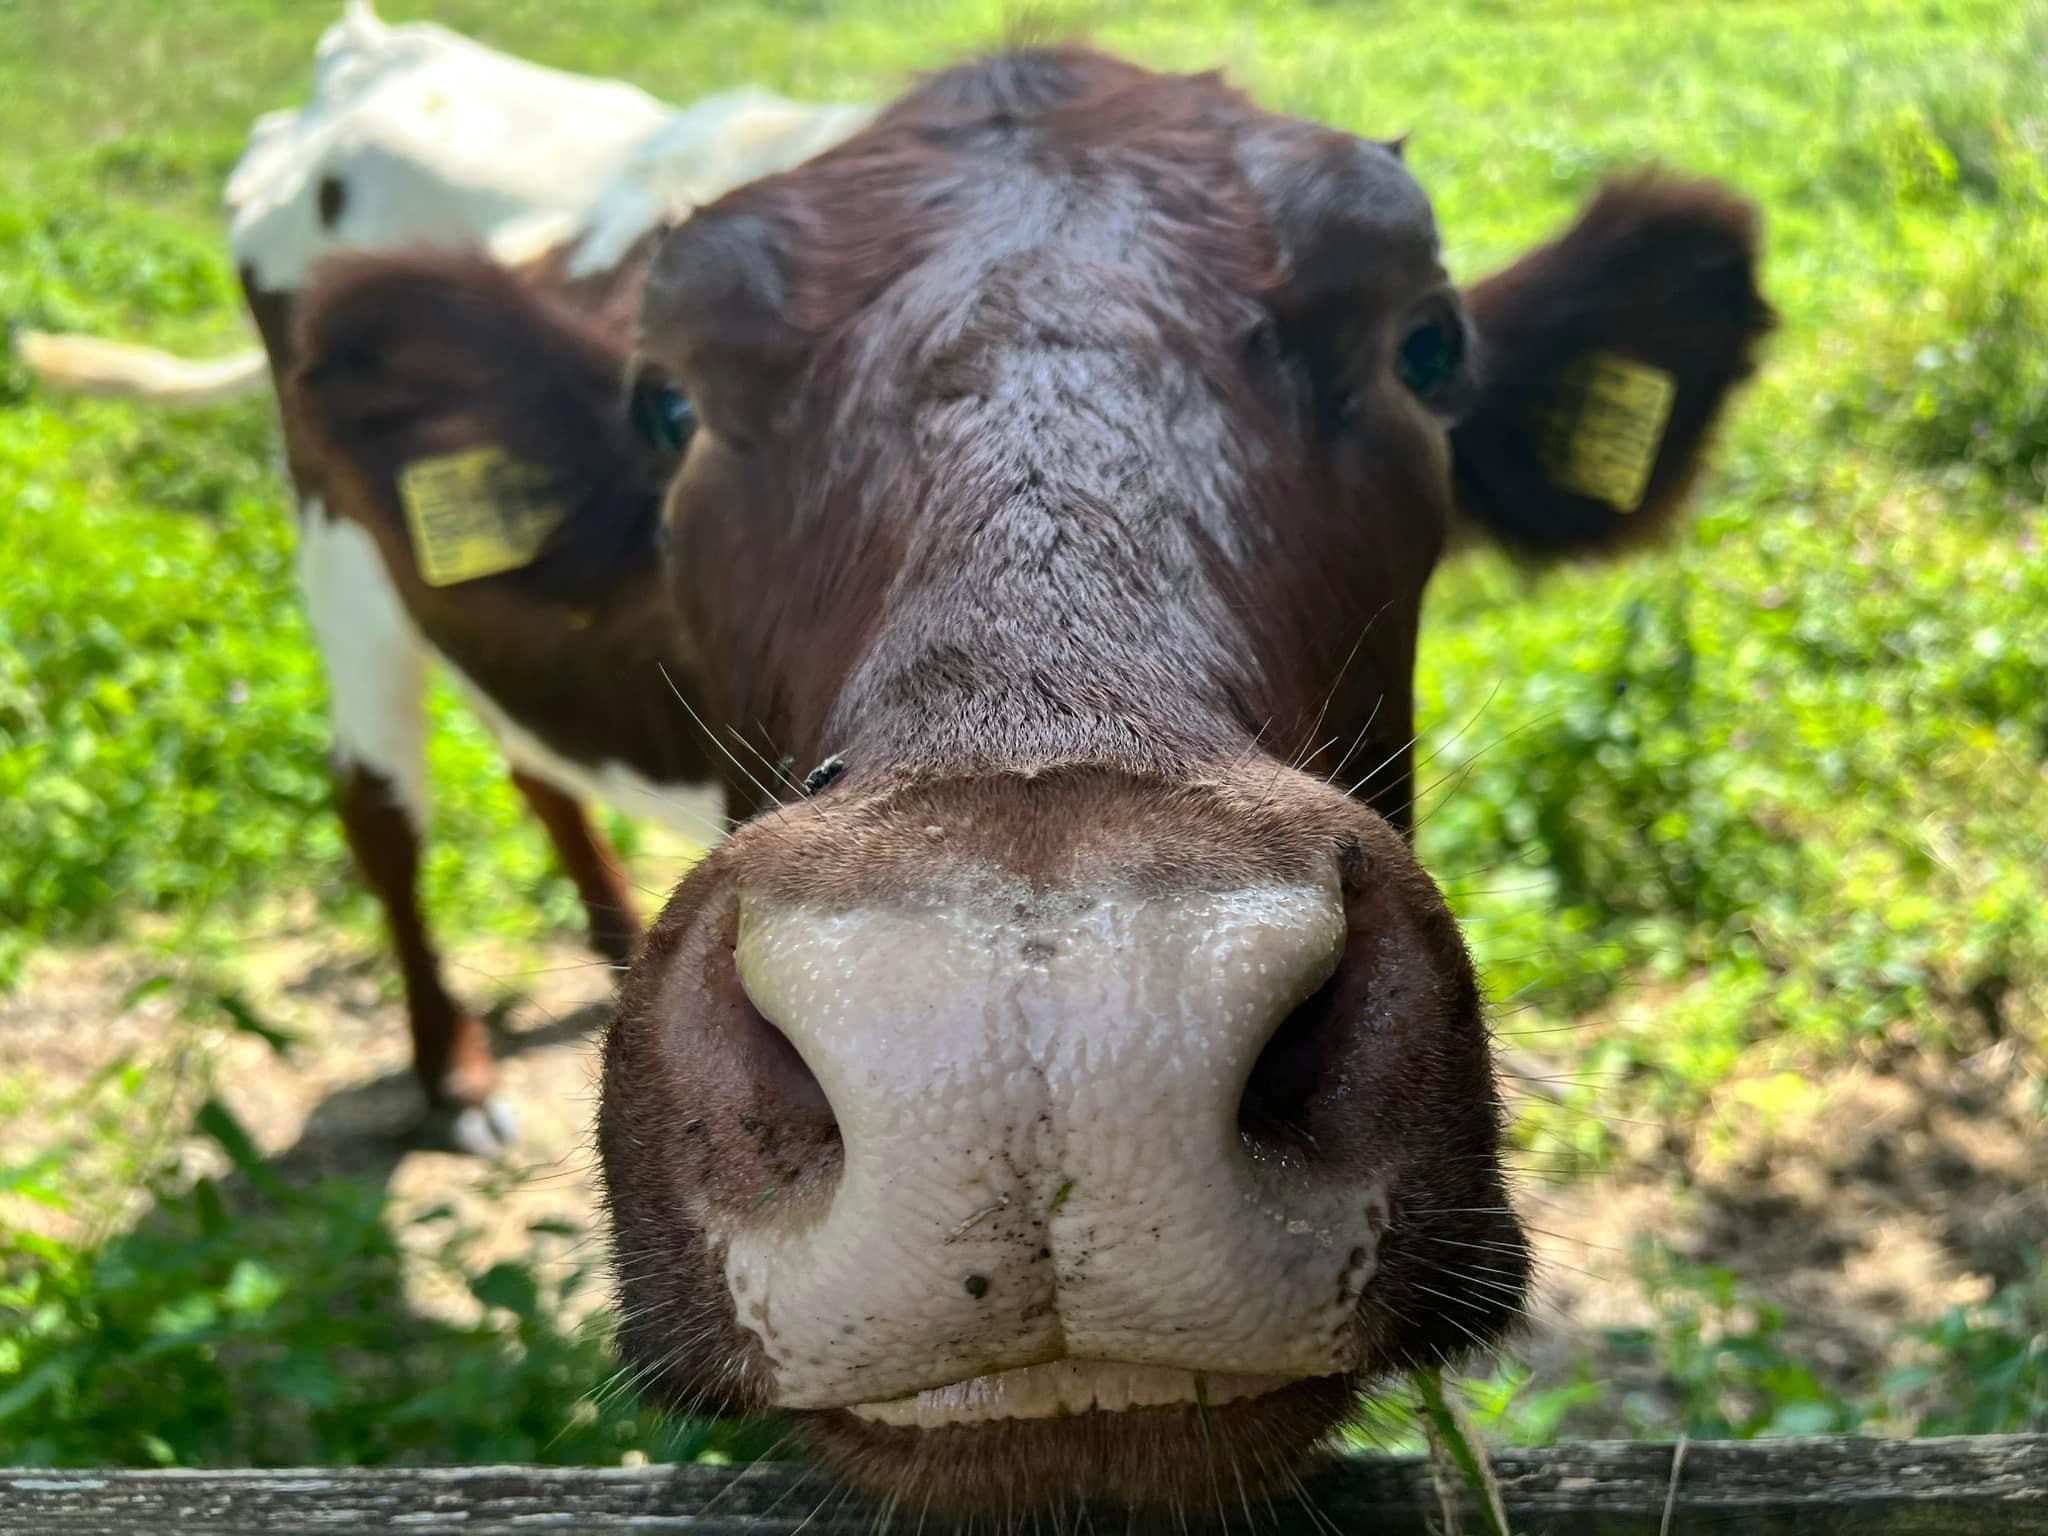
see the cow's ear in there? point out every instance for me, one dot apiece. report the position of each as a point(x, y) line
point(1606, 357)
point(718, 315)
point(466, 399)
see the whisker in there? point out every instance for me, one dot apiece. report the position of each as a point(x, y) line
point(776, 771)
point(712, 736)
point(1330, 694)
point(1464, 770)
point(1356, 741)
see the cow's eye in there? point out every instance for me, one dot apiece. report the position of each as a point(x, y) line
point(1431, 357)
point(661, 413)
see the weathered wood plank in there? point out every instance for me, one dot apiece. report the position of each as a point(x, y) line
point(1994, 1486)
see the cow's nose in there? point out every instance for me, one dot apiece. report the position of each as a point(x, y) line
point(1047, 1149)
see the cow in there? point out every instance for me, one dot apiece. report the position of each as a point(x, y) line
point(1061, 1085)
point(418, 137)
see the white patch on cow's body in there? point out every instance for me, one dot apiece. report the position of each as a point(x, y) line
point(700, 154)
point(1037, 1104)
point(376, 662)
point(375, 659)
point(694, 810)
point(436, 139)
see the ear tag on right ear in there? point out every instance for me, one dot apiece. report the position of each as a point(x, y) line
point(1605, 426)
point(476, 513)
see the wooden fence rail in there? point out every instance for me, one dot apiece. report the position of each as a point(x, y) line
point(1991, 1486)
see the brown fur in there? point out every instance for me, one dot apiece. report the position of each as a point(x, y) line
point(589, 861)
point(1057, 472)
point(578, 647)
point(407, 357)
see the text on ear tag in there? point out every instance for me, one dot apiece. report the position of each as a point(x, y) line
point(475, 513)
point(1605, 426)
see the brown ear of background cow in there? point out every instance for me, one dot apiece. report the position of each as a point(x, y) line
point(1655, 270)
point(410, 356)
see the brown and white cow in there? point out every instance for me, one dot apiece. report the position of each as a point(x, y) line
point(563, 658)
point(1071, 1093)
point(416, 136)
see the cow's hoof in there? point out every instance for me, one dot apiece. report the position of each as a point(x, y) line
point(486, 1130)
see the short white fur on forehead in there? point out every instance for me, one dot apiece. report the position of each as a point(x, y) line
point(433, 138)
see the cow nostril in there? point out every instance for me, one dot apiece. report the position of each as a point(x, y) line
point(788, 1116)
point(1293, 1074)
point(787, 1077)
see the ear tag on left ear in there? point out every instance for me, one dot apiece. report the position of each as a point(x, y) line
point(1605, 427)
point(476, 513)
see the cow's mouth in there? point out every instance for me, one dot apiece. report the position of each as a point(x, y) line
point(1060, 1388)
point(1024, 1438)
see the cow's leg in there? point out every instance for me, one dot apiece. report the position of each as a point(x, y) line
point(451, 1054)
point(376, 673)
point(589, 860)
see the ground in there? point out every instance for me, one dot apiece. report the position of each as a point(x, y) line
point(343, 1099)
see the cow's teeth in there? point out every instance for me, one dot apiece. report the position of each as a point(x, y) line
point(1061, 1387)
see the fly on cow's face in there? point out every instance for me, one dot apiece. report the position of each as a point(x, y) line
point(822, 776)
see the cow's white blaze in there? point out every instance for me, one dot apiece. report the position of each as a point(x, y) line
point(1037, 1099)
point(375, 660)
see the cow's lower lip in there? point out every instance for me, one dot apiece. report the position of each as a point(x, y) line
point(1064, 1387)
point(1135, 1458)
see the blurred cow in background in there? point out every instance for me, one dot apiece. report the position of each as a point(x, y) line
point(415, 137)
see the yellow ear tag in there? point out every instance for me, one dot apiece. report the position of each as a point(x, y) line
point(475, 513)
point(1606, 425)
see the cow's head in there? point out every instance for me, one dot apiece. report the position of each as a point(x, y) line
point(1082, 1091)
point(1077, 1090)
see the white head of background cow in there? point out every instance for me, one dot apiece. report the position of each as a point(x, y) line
point(416, 135)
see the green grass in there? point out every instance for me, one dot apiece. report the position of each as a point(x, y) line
point(246, 1320)
point(1784, 779)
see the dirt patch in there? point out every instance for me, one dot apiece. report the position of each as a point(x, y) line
point(341, 1100)
point(1857, 1203)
